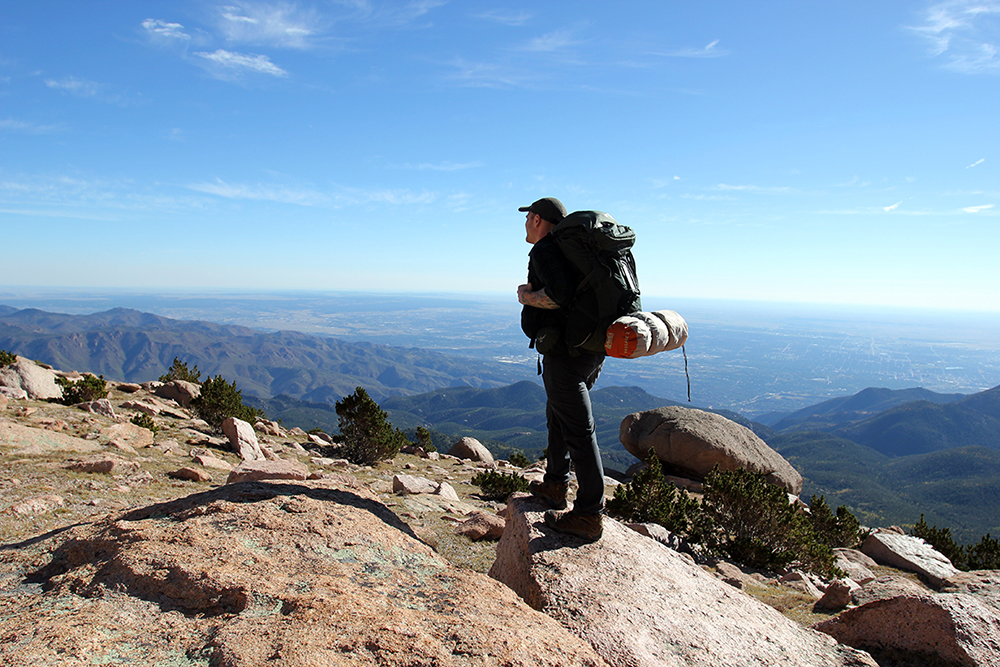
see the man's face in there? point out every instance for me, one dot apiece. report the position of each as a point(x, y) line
point(531, 224)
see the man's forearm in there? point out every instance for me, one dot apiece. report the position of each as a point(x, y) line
point(537, 299)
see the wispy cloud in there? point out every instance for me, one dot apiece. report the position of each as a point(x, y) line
point(239, 63)
point(753, 188)
point(710, 50)
point(491, 75)
point(977, 163)
point(977, 209)
point(309, 196)
point(557, 40)
point(75, 86)
point(165, 30)
point(84, 88)
point(893, 207)
point(506, 18)
point(259, 192)
point(14, 125)
point(281, 24)
point(445, 166)
point(964, 33)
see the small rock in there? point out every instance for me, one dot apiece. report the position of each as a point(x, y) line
point(191, 474)
point(482, 526)
point(251, 471)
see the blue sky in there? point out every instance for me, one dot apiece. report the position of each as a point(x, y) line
point(788, 151)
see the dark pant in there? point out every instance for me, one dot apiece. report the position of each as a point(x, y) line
point(572, 431)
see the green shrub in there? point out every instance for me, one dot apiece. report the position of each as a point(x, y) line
point(7, 358)
point(220, 400)
point(836, 530)
point(145, 421)
point(942, 541)
point(86, 389)
point(650, 498)
point(740, 516)
point(180, 371)
point(424, 439)
point(495, 485)
point(519, 459)
point(366, 435)
point(985, 555)
point(754, 523)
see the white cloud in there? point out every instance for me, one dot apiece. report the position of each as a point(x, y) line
point(78, 87)
point(965, 33)
point(14, 125)
point(279, 194)
point(307, 196)
point(281, 24)
point(892, 207)
point(506, 18)
point(240, 62)
point(448, 166)
point(977, 163)
point(710, 50)
point(977, 209)
point(549, 42)
point(164, 29)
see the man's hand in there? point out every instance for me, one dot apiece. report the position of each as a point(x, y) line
point(538, 299)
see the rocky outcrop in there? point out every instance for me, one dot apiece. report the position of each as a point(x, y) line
point(911, 554)
point(179, 390)
point(984, 584)
point(955, 628)
point(299, 575)
point(694, 441)
point(242, 439)
point(638, 603)
point(471, 449)
point(37, 382)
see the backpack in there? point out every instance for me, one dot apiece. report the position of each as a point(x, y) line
point(601, 249)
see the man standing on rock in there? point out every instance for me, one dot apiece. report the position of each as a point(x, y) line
point(568, 375)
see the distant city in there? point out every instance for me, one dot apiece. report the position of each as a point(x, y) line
point(755, 359)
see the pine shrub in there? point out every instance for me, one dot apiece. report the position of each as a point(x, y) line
point(942, 541)
point(145, 421)
point(180, 371)
point(495, 485)
point(7, 358)
point(841, 530)
point(86, 389)
point(650, 498)
point(983, 556)
point(518, 459)
point(220, 400)
point(366, 435)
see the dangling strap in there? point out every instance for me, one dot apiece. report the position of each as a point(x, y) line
point(684, 350)
point(539, 364)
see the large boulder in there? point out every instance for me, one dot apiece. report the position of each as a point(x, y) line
point(984, 584)
point(36, 381)
point(638, 603)
point(694, 441)
point(295, 574)
point(242, 439)
point(954, 628)
point(179, 390)
point(471, 449)
point(909, 553)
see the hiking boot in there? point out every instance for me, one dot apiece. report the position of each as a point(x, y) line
point(553, 494)
point(587, 526)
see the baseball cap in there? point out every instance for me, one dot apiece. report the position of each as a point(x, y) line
point(549, 208)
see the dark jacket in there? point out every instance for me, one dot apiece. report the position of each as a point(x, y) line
point(548, 268)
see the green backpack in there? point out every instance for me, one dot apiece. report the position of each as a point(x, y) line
point(601, 249)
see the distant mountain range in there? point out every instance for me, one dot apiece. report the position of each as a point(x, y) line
point(889, 455)
point(130, 345)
